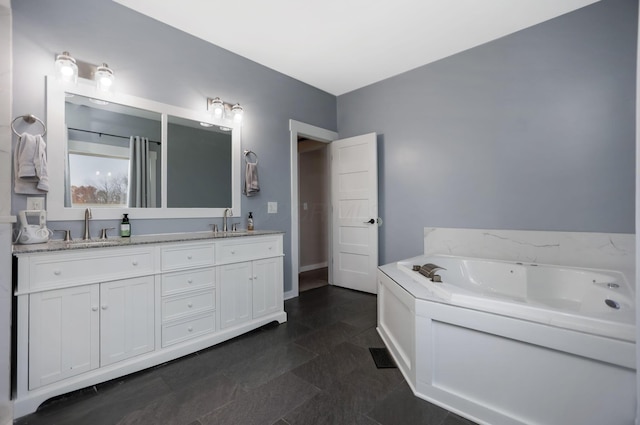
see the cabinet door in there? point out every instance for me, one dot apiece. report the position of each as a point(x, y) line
point(63, 334)
point(235, 294)
point(267, 286)
point(126, 319)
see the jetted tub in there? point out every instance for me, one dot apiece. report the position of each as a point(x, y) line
point(510, 343)
point(600, 302)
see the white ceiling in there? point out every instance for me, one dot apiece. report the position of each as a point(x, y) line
point(342, 45)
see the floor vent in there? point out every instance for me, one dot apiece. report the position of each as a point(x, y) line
point(382, 358)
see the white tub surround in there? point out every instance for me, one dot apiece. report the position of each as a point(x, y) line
point(516, 341)
point(90, 313)
point(611, 251)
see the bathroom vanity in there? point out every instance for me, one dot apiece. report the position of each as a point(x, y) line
point(91, 312)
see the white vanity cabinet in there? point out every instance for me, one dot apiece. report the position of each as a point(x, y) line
point(188, 295)
point(64, 329)
point(86, 316)
point(235, 290)
point(267, 286)
point(127, 319)
point(75, 330)
point(251, 282)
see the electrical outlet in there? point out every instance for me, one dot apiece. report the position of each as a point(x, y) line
point(35, 202)
point(272, 207)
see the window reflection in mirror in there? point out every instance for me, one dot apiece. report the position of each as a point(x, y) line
point(199, 165)
point(99, 168)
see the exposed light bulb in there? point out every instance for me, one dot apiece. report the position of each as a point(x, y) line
point(216, 105)
point(104, 78)
point(66, 68)
point(237, 112)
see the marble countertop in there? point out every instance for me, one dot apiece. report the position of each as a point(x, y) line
point(60, 245)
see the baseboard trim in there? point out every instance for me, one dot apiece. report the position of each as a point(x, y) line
point(313, 267)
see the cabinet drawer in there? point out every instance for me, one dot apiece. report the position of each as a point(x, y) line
point(177, 332)
point(187, 256)
point(183, 305)
point(89, 267)
point(247, 249)
point(185, 281)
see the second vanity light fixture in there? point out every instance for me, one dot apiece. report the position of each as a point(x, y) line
point(220, 109)
point(68, 71)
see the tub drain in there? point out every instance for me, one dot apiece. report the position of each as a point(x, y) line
point(612, 304)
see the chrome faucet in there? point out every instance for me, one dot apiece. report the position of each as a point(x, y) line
point(429, 271)
point(224, 218)
point(87, 217)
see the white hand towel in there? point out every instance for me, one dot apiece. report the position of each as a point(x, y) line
point(30, 165)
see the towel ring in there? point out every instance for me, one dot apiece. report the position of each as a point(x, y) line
point(247, 154)
point(29, 119)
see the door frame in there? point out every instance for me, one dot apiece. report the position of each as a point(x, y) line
point(296, 129)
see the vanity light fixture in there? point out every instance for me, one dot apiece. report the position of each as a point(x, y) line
point(104, 78)
point(220, 109)
point(66, 68)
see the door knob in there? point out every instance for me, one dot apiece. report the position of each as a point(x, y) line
point(372, 221)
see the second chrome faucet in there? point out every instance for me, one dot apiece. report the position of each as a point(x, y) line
point(227, 213)
point(87, 217)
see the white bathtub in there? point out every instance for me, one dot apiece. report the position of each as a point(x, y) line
point(510, 343)
point(600, 302)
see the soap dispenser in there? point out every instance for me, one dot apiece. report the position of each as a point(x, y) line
point(250, 221)
point(125, 227)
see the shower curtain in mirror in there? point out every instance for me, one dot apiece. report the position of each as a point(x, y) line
point(139, 182)
point(67, 177)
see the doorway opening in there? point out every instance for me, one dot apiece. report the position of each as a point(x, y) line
point(313, 213)
point(299, 130)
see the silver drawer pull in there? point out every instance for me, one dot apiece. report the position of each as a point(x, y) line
point(190, 329)
point(57, 272)
point(189, 257)
point(190, 281)
point(94, 308)
point(104, 306)
point(134, 262)
point(233, 251)
point(190, 305)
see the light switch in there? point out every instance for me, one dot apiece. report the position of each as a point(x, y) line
point(305, 206)
point(272, 207)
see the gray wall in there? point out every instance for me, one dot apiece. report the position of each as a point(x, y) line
point(155, 61)
point(534, 131)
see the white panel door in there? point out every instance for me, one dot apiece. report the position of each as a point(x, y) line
point(126, 319)
point(354, 199)
point(235, 294)
point(63, 334)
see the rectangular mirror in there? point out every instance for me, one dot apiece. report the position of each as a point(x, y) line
point(113, 155)
point(123, 154)
point(198, 165)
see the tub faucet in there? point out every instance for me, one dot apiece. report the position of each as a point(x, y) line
point(87, 217)
point(224, 218)
point(429, 270)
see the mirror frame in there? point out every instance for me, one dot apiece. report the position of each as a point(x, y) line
point(55, 150)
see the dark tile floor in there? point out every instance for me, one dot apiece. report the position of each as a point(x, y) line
point(314, 369)
point(313, 279)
